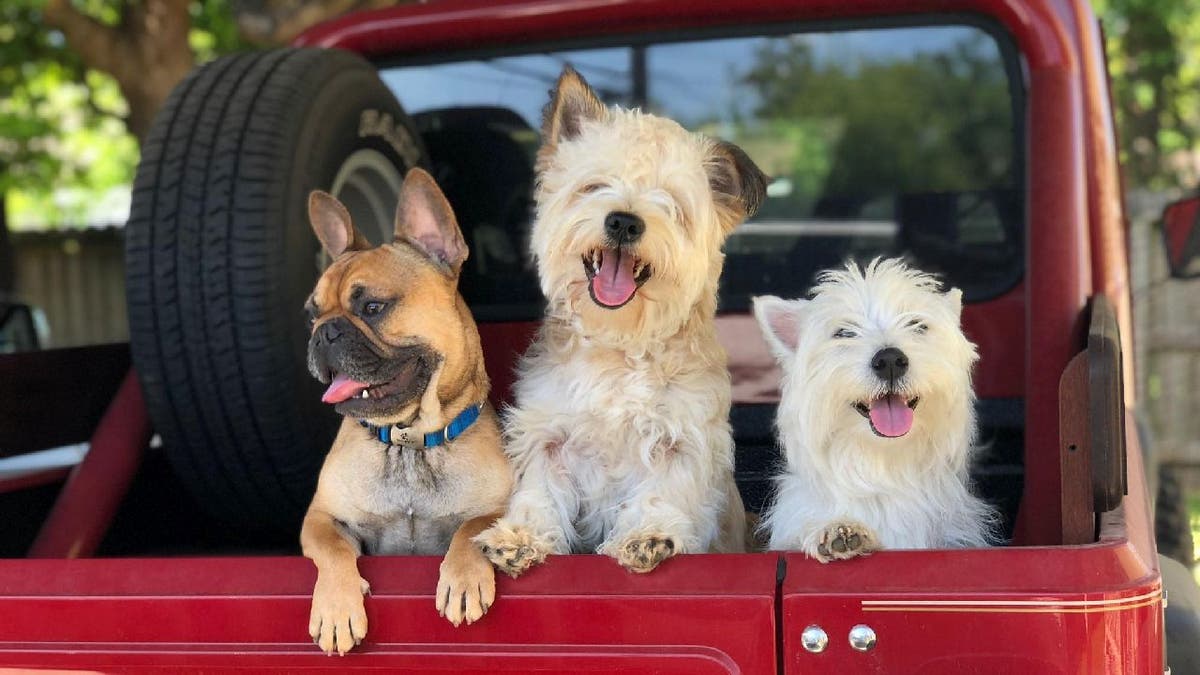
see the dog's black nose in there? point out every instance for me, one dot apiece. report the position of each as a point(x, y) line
point(889, 364)
point(329, 332)
point(623, 228)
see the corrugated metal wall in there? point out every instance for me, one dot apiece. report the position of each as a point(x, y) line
point(1167, 324)
point(77, 279)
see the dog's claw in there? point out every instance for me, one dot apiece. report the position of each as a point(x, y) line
point(466, 588)
point(338, 620)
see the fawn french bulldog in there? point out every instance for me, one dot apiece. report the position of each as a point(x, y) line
point(417, 466)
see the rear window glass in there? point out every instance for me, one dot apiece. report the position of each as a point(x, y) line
point(889, 141)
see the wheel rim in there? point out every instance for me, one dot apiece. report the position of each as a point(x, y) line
point(368, 184)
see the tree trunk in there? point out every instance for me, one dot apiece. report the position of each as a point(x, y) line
point(147, 52)
point(8, 271)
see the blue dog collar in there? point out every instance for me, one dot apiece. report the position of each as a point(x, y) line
point(404, 436)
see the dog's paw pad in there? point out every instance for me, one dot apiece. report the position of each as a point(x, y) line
point(643, 554)
point(843, 541)
point(512, 551)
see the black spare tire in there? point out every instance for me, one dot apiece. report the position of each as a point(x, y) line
point(220, 258)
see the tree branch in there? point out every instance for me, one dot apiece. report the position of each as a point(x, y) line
point(96, 43)
point(147, 53)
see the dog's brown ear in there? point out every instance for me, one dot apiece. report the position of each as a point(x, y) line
point(571, 103)
point(331, 223)
point(779, 320)
point(425, 220)
point(737, 183)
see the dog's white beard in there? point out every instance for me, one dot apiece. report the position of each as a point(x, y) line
point(912, 491)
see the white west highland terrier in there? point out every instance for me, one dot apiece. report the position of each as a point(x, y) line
point(877, 416)
point(620, 434)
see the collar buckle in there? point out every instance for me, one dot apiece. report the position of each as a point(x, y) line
point(405, 436)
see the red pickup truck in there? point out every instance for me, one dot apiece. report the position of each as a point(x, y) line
point(974, 137)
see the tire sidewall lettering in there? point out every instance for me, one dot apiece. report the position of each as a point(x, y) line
point(378, 124)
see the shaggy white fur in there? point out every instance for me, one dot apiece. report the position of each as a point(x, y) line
point(848, 489)
point(619, 433)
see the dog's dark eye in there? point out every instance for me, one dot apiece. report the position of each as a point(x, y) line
point(373, 308)
point(918, 326)
point(844, 333)
point(591, 187)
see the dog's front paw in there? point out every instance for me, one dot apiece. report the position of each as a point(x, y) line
point(644, 553)
point(338, 620)
point(466, 588)
point(845, 540)
point(511, 549)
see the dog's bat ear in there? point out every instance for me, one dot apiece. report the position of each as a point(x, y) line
point(954, 298)
point(425, 220)
point(331, 223)
point(780, 323)
point(737, 184)
point(572, 102)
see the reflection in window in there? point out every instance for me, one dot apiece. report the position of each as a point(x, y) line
point(883, 141)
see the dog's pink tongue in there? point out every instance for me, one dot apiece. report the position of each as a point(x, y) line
point(342, 388)
point(613, 285)
point(891, 416)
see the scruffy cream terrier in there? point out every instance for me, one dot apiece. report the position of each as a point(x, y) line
point(620, 435)
point(876, 417)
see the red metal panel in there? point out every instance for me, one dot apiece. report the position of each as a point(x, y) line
point(997, 327)
point(503, 343)
point(1057, 610)
point(462, 659)
point(460, 25)
point(92, 495)
point(1058, 275)
point(1106, 205)
point(1059, 634)
point(697, 614)
point(1066, 609)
